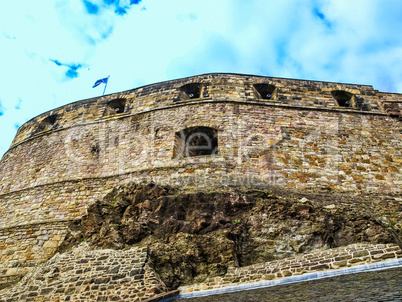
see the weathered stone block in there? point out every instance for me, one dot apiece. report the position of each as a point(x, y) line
point(360, 254)
point(384, 256)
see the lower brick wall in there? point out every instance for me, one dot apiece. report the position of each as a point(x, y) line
point(24, 247)
point(80, 275)
point(355, 254)
point(124, 275)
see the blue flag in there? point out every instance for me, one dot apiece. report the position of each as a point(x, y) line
point(98, 82)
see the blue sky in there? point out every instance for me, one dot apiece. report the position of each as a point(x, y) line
point(53, 51)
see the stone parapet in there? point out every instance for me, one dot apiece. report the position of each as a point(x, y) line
point(26, 246)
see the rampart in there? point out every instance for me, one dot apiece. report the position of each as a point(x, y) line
point(80, 275)
point(200, 131)
point(334, 259)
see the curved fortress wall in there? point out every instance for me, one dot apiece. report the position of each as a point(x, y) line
point(299, 137)
point(207, 130)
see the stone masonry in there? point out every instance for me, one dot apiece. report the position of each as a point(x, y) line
point(296, 134)
point(82, 275)
point(352, 255)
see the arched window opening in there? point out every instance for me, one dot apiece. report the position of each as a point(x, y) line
point(196, 141)
point(47, 123)
point(344, 98)
point(115, 107)
point(265, 91)
point(190, 91)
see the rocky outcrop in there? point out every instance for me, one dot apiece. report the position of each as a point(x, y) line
point(196, 235)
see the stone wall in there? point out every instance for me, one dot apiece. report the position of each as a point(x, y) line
point(80, 275)
point(58, 201)
point(303, 117)
point(24, 247)
point(122, 275)
point(255, 140)
point(259, 145)
point(338, 258)
point(216, 87)
point(392, 104)
point(299, 138)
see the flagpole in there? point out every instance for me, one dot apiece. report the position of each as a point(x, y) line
point(106, 85)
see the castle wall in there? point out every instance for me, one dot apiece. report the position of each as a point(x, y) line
point(83, 140)
point(24, 247)
point(287, 147)
point(301, 139)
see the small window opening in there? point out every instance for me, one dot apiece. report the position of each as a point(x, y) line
point(196, 141)
point(51, 119)
point(47, 123)
point(265, 91)
point(392, 109)
point(190, 91)
point(344, 99)
point(115, 107)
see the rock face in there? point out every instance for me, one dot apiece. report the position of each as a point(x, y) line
point(195, 235)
